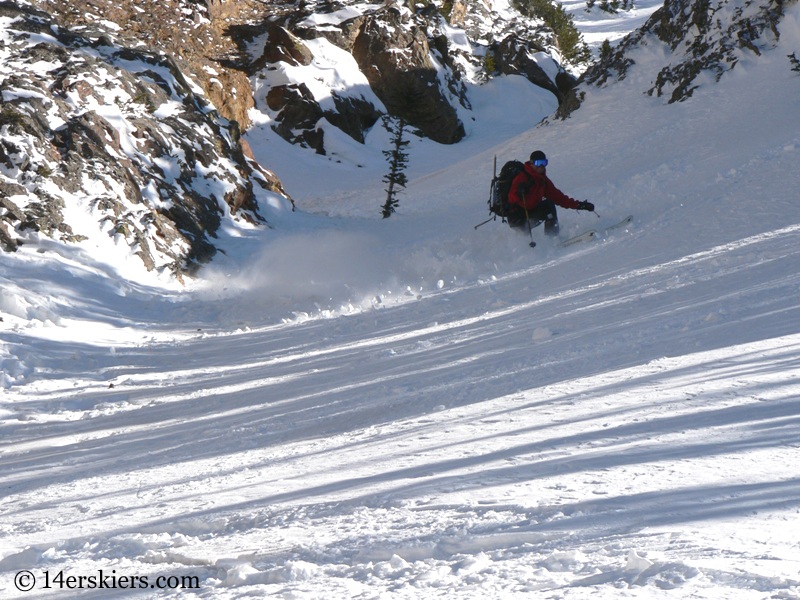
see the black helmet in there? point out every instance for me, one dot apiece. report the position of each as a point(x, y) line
point(537, 155)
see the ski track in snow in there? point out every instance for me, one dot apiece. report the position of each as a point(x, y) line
point(389, 456)
point(435, 411)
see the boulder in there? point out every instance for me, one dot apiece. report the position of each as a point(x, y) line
point(514, 56)
point(392, 50)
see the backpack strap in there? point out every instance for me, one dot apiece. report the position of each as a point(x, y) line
point(524, 187)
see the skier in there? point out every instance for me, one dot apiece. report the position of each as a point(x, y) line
point(533, 197)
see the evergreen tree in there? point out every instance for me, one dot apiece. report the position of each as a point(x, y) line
point(795, 61)
point(397, 158)
point(570, 41)
point(605, 51)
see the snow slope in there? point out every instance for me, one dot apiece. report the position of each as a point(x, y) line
point(412, 408)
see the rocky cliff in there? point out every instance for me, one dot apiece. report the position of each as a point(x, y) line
point(130, 111)
point(91, 127)
point(414, 59)
point(700, 38)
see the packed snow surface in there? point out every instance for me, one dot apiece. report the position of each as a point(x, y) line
point(351, 407)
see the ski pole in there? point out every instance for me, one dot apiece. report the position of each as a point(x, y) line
point(485, 222)
point(491, 194)
point(530, 229)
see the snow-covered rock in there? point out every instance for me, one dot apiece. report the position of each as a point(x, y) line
point(105, 142)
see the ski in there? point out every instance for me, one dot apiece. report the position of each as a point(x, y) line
point(584, 237)
point(592, 234)
point(626, 221)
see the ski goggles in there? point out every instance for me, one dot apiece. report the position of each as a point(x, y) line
point(541, 162)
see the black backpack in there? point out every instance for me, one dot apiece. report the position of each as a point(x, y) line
point(501, 185)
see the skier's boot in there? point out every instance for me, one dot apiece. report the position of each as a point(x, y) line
point(551, 225)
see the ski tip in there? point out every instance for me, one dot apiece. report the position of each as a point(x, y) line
point(623, 223)
point(584, 237)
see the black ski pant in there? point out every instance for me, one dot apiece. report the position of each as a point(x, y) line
point(545, 212)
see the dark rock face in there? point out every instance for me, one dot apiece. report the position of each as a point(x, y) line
point(282, 46)
point(298, 115)
point(121, 133)
point(393, 52)
point(391, 47)
point(354, 116)
point(513, 56)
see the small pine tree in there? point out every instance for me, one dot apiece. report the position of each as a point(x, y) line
point(397, 158)
point(795, 61)
point(489, 63)
point(606, 51)
point(446, 9)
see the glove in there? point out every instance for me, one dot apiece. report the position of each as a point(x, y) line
point(585, 205)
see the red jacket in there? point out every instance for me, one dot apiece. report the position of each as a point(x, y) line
point(538, 187)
